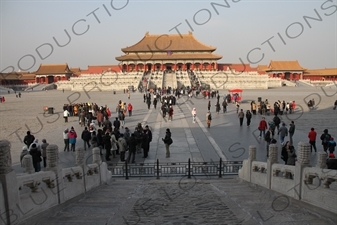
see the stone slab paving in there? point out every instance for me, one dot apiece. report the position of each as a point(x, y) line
point(224, 139)
point(180, 201)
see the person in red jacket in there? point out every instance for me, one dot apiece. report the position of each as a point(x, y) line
point(312, 139)
point(263, 127)
point(130, 109)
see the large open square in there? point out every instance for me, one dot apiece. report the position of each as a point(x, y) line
point(225, 138)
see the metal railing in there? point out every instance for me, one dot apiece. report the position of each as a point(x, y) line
point(189, 169)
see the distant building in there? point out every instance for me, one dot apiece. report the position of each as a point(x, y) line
point(168, 52)
point(292, 70)
point(50, 73)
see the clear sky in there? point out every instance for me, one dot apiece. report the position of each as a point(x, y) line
point(99, 29)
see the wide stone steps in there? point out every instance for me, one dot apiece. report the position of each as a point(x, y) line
point(180, 201)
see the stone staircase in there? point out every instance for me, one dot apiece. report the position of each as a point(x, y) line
point(170, 80)
point(182, 201)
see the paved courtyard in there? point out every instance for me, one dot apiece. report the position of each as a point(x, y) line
point(225, 138)
point(166, 201)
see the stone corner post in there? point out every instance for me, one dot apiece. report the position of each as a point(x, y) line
point(321, 160)
point(27, 164)
point(9, 185)
point(303, 160)
point(96, 158)
point(53, 165)
point(251, 158)
point(273, 155)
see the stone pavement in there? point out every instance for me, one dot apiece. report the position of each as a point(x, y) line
point(178, 200)
point(181, 201)
point(225, 138)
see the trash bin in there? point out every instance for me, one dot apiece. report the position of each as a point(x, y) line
point(114, 92)
point(259, 99)
point(50, 110)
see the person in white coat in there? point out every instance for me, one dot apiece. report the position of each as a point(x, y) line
point(194, 114)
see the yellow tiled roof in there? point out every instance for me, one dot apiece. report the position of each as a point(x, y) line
point(322, 72)
point(168, 42)
point(173, 56)
point(53, 69)
point(285, 65)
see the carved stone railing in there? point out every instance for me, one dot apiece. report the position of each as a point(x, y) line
point(34, 181)
point(314, 185)
point(286, 170)
point(260, 167)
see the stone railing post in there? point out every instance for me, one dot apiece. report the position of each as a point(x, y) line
point(251, 158)
point(11, 214)
point(27, 164)
point(303, 160)
point(270, 161)
point(53, 165)
point(96, 157)
point(321, 160)
point(80, 157)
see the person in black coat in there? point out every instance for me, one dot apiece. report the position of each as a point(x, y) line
point(36, 155)
point(168, 141)
point(86, 137)
point(107, 146)
point(145, 144)
point(132, 148)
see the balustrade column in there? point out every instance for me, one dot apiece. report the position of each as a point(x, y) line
point(53, 165)
point(80, 157)
point(27, 164)
point(251, 158)
point(303, 161)
point(96, 157)
point(321, 160)
point(270, 161)
point(11, 213)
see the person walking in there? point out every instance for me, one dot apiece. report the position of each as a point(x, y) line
point(217, 107)
point(248, 117)
point(72, 138)
point(155, 101)
point(44, 152)
point(28, 139)
point(114, 148)
point(284, 152)
point(224, 106)
point(331, 146)
point(291, 156)
point(66, 140)
point(122, 147)
point(170, 112)
point(194, 114)
point(283, 132)
point(122, 119)
point(107, 145)
point(312, 139)
point(277, 122)
point(325, 138)
point(36, 155)
point(168, 141)
point(132, 148)
point(291, 132)
point(208, 119)
point(66, 115)
point(262, 127)
point(241, 116)
point(209, 105)
point(130, 109)
point(145, 144)
point(86, 137)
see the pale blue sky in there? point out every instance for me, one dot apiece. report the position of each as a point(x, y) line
point(235, 31)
